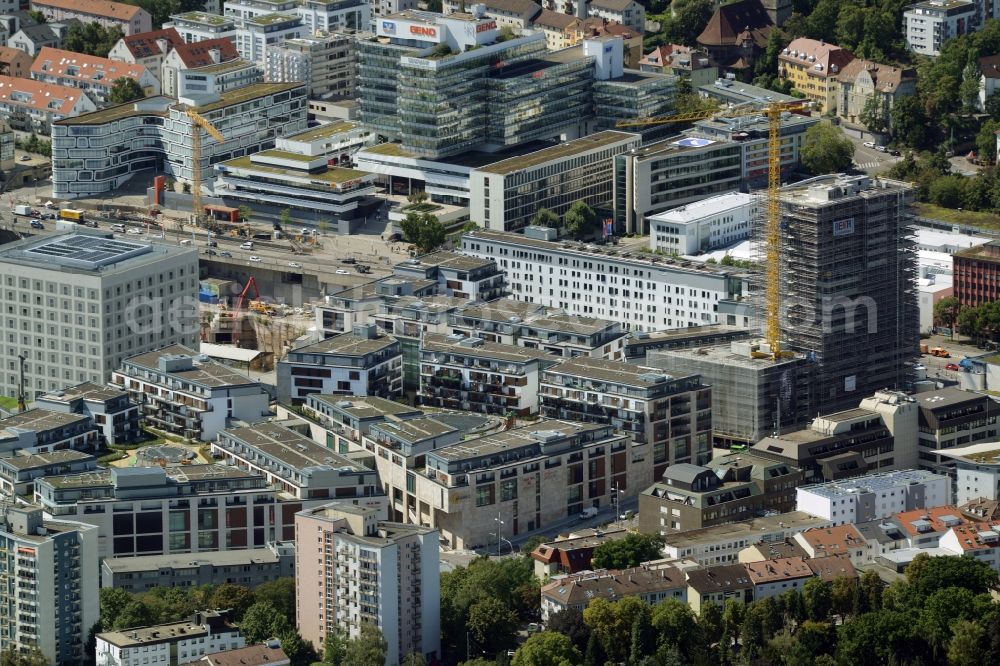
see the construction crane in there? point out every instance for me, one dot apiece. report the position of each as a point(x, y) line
point(239, 307)
point(772, 267)
point(199, 123)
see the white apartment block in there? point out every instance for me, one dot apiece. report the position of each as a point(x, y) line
point(50, 587)
point(335, 15)
point(243, 10)
point(977, 472)
point(334, 141)
point(705, 225)
point(265, 32)
point(874, 496)
point(352, 569)
point(327, 64)
point(201, 26)
point(644, 293)
point(183, 392)
point(169, 644)
point(928, 24)
point(721, 544)
point(75, 305)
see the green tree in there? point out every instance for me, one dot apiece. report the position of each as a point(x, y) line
point(113, 602)
point(631, 551)
point(533, 542)
point(710, 623)
point(595, 655)
point(280, 593)
point(33, 657)
point(612, 622)
point(244, 213)
point(822, 21)
point(909, 122)
point(850, 26)
point(570, 623)
point(844, 595)
point(492, 625)
point(986, 141)
point(818, 600)
point(423, 230)
point(91, 38)
point(875, 114)
point(642, 640)
point(285, 218)
point(871, 586)
point(547, 648)
point(414, 659)
point(946, 312)
point(676, 624)
point(992, 106)
point(135, 614)
point(368, 649)
point(925, 575)
point(545, 218)
point(825, 149)
point(263, 621)
point(125, 89)
point(334, 648)
point(233, 597)
point(968, 644)
point(580, 220)
point(37, 16)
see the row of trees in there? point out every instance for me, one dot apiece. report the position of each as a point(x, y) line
point(91, 38)
point(580, 221)
point(941, 613)
point(974, 322)
point(931, 173)
point(34, 145)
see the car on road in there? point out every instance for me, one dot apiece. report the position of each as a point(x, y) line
point(210, 252)
point(534, 627)
point(212, 244)
point(868, 144)
point(588, 513)
point(254, 258)
point(134, 232)
point(294, 264)
point(895, 153)
point(118, 228)
point(227, 255)
point(348, 260)
point(25, 158)
point(247, 245)
point(341, 271)
point(37, 224)
point(951, 366)
point(881, 149)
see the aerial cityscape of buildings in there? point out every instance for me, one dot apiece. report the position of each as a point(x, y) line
point(403, 331)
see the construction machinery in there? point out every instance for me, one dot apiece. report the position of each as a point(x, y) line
point(199, 123)
point(772, 227)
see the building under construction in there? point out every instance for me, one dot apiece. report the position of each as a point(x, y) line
point(849, 291)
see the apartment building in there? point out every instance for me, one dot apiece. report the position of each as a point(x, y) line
point(188, 394)
point(718, 584)
point(976, 469)
point(517, 14)
point(843, 540)
point(849, 288)
point(679, 170)
point(874, 496)
point(238, 114)
point(75, 306)
point(42, 431)
point(949, 418)
point(242, 10)
point(644, 293)
point(505, 195)
point(298, 466)
point(94, 75)
point(50, 595)
point(673, 414)
point(813, 67)
point(928, 24)
point(131, 19)
point(327, 64)
point(260, 33)
point(14, 62)
point(470, 374)
point(727, 489)
point(171, 644)
point(267, 654)
point(181, 509)
point(31, 106)
point(194, 55)
point(704, 225)
point(354, 569)
point(202, 26)
point(652, 584)
point(528, 477)
point(326, 16)
point(109, 409)
point(456, 275)
point(32, 38)
point(336, 141)
point(690, 63)
point(363, 362)
point(538, 327)
point(146, 48)
point(771, 578)
point(976, 271)
point(860, 81)
point(248, 568)
point(572, 554)
point(19, 471)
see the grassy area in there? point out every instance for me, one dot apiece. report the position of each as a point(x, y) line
point(971, 218)
point(8, 403)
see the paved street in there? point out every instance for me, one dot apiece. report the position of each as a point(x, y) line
point(869, 160)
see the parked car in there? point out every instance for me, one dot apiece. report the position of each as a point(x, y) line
point(132, 231)
point(868, 144)
point(254, 258)
point(895, 153)
point(25, 158)
point(951, 366)
point(294, 264)
point(37, 224)
point(588, 513)
point(210, 252)
point(341, 271)
point(212, 244)
point(348, 260)
point(228, 255)
point(247, 245)
point(881, 149)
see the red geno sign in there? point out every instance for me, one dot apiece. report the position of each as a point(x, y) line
point(483, 27)
point(421, 30)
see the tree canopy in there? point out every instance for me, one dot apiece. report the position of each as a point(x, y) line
point(580, 220)
point(423, 230)
point(125, 89)
point(825, 150)
point(91, 38)
point(630, 551)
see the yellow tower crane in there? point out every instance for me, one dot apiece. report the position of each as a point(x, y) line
point(199, 123)
point(772, 268)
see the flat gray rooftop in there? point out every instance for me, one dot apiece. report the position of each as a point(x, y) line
point(416, 430)
point(208, 373)
point(40, 420)
point(41, 460)
point(364, 407)
point(453, 344)
point(290, 448)
point(872, 482)
point(347, 344)
point(85, 251)
point(85, 391)
point(537, 433)
point(618, 372)
point(222, 558)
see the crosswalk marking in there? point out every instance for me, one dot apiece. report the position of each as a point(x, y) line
point(868, 165)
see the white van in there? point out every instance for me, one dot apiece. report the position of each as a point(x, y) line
point(118, 228)
point(187, 241)
point(248, 245)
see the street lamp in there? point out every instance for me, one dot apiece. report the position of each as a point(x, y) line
point(499, 528)
point(616, 497)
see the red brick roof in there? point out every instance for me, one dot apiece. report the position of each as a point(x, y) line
point(732, 24)
point(112, 10)
point(144, 44)
point(198, 54)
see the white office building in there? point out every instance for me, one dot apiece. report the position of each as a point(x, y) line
point(169, 644)
point(75, 305)
point(201, 26)
point(643, 292)
point(704, 225)
point(977, 472)
point(260, 33)
point(875, 496)
point(927, 25)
